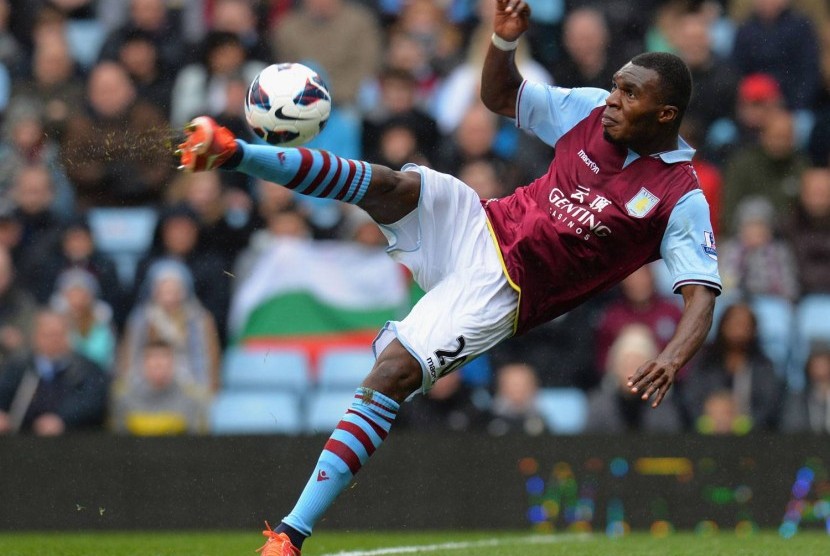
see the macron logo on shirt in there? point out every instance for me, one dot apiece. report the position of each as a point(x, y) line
point(588, 162)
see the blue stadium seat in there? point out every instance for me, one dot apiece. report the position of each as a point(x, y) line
point(326, 408)
point(776, 318)
point(124, 234)
point(565, 410)
point(251, 412)
point(268, 369)
point(812, 323)
point(344, 368)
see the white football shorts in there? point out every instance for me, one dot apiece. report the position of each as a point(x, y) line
point(469, 305)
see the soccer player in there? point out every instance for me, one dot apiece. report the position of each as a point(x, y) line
point(620, 192)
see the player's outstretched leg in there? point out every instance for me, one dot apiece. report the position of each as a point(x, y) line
point(385, 194)
point(360, 432)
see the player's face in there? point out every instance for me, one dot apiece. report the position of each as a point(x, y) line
point(634, 108)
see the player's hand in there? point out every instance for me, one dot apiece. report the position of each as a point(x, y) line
point(654, 378)
point(207, 145)
point(512, 19)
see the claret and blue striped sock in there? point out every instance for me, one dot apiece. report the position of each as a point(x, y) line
point(306, 171)
point(357, 436)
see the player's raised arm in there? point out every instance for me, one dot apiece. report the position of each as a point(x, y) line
point(655, 377)
point(500, 78)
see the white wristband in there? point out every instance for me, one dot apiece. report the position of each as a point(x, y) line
point(502, 44)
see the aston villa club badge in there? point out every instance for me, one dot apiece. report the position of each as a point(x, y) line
point(642, 203)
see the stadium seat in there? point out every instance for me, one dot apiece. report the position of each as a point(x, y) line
point(565, 410)
point(267, 369)
point(344, 369)
point(326, 408)
point(250, 412)
point(776, 317)
point(812, 323)
point(124, 234)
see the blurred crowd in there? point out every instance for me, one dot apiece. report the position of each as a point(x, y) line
point(93, 94)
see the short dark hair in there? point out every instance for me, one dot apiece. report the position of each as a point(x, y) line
point(675, 77)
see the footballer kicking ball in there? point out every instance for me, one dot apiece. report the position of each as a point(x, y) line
point(287, 104)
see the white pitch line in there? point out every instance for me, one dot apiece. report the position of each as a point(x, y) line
point(417, 549)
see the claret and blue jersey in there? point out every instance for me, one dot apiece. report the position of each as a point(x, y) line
point(599, 213)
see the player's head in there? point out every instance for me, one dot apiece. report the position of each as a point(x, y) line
point(648, 98)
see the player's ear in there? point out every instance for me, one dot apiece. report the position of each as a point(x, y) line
point(668, 114)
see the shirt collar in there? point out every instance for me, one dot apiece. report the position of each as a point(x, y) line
point(683, 153)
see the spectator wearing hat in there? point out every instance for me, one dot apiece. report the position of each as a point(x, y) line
point(771, 169)
point(808, 230)
point(168, 310)
point(91, 329)
point(755, 262)
point(177, 238)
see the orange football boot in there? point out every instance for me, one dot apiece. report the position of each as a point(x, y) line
point(278, 544)
point(207, 145)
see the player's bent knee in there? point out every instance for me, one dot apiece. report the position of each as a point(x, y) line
point(391, 195)
point(396, 373)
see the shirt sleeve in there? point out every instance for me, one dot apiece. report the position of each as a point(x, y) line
point(549, 112)
point(688, 246)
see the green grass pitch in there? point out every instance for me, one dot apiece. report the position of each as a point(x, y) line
point(436, 544)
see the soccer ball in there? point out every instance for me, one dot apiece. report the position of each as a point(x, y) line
point(287, 104)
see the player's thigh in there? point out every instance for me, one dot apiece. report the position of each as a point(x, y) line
point(447, 232)
point(461, 317)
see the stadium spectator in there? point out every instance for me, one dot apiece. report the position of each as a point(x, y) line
point(808, 230)
point(240, 17)
point(202, 87)
point(734, 361)
point(396, 102)
point(91, 328)
point(640, 303)
point(114, 152)
point(168, 310)
point(157, 399)
point(17, 311)
point(342, 37)
point(562, 350)
point(474, 139)
point(755, 262)
point(429, 24)
point(54, 84)
point(73, 247)
point(587, 59)
point(33, 195)
point(612, 408)
point(758, 96)
point(483, 176)
point(514, 408)
point(25, 143)
point(809, 409)
point(11, 232)
point(12, 53)
point(397, 142)
point(458, 92)
point(772, 169)
point(780, 41)
point(153, 18)
point(177, 237)
point(53, 390)
point(721, 416)
point(452, 405)
point(714, 81)
point(225, 215)
point(140, 56)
